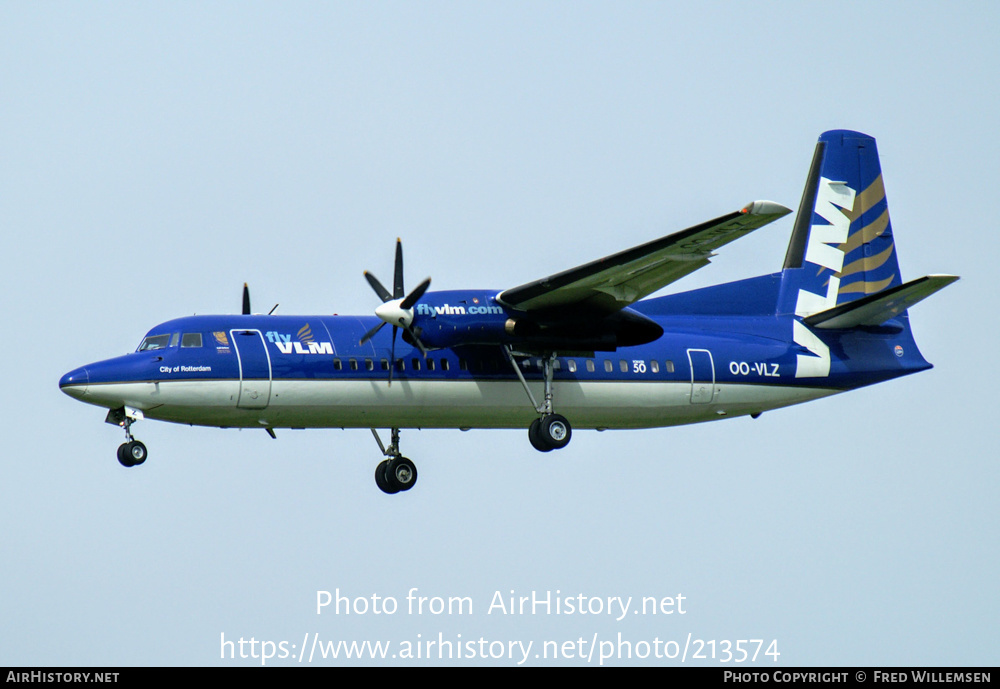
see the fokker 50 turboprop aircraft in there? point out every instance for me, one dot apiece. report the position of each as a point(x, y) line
point(582, 345)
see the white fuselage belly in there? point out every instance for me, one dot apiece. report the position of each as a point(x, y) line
point(441, 403)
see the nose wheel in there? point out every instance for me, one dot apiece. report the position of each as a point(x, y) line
point(132, 453)
point(396, 473)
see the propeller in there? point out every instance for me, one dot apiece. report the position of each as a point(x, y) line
point(246, 302)
point(396, 309)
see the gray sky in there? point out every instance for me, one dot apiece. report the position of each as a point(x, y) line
point(154, 158)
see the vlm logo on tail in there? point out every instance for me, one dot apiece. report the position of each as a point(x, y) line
point(831, 196)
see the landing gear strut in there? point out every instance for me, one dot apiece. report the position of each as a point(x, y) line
point(550, 431)
point(395, 473)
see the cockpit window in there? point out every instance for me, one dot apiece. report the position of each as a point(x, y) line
point(191, 340)
point(154, 342)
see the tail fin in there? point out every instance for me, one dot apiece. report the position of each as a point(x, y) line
point(842, 249)
point(841, 270)
point(842, 246)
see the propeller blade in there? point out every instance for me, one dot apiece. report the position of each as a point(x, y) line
point(371, 333)
point(414, 296)
point(246, 300)
point(416, 340)
point(392, 355)
point(397, 279)
point(381, 291)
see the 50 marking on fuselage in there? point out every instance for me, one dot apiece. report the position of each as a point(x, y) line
point(760, 368)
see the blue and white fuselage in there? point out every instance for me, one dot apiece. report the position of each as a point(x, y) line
point(310, 372)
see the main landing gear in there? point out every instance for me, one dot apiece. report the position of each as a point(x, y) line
point(550, 431)
point(396, 473)
point(132, 452)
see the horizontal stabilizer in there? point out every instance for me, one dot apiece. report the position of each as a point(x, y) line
point(877, 308)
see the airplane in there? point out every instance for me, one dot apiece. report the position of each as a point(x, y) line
point(589, 342)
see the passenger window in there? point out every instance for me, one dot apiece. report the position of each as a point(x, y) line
point(354, 364)
point(369, 365)
point(623, 365)
point(191, 340)
point(430, 364)
point(385, 364)
point(590, 365)
point(400, 365)
point(415, 363)
point(670, 366)
point(337, 366)
point(463, 365)
point(154, 342)
point(444, 364)
point(571, 365)
point(654, 366)
point(607, 365)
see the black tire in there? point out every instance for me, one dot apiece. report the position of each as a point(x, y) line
point(123, 457)
point(381, 478)
point(536, 439)
point(554, 430)
point(401, 473)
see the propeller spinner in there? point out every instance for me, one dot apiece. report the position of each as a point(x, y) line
point(396, 310)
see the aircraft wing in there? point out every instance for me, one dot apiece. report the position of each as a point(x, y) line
point(614, 282)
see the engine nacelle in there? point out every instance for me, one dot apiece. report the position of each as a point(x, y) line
point(454, 319)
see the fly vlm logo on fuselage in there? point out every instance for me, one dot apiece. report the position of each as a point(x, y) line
point(305, 344)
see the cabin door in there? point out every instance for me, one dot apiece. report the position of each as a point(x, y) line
point(702, 376)
point(255, 369)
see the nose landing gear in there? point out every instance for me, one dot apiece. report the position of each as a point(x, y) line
point(132, 452)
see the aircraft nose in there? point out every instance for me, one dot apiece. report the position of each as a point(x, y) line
point(75, 382)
